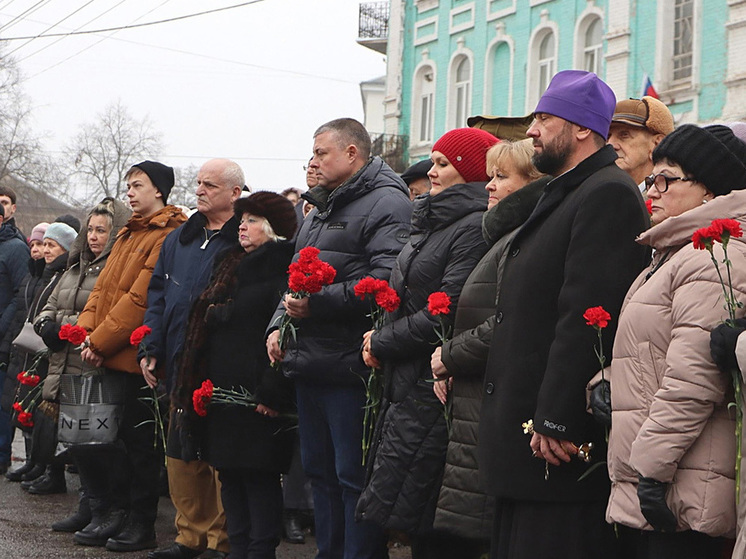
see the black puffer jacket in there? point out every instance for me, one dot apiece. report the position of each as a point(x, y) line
point(463, 509)
point(20, 360)
point(446, 243)
point(360, 231)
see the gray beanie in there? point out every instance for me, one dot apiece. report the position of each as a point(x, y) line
point(62, 234)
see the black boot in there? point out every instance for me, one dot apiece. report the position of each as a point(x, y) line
point(32, 475)
point(53, 481)
point(78, 520)
point(135, 536)
point(292, 526)
point(104, 524)
point(16, 473)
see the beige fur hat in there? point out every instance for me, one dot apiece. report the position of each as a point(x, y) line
point(647, 112)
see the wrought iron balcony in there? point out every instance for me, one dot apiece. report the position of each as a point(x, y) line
point(373, 25)
point(392, 149)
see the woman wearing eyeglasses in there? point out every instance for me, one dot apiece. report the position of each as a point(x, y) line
point(672, 445)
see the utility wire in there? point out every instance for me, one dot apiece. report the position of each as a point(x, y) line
point(102, 39)
point(68, 16)
point(26, 57)
point(20, 16)
point(122, 27)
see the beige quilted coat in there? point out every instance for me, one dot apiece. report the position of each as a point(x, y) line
point(670, 418)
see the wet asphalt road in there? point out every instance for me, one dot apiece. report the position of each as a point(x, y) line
point(25, 532)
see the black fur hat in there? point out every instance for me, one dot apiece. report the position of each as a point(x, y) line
point(276, 209)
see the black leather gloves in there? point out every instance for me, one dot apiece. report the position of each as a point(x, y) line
point(600, 401)
point(652, 495)
point(723, 340)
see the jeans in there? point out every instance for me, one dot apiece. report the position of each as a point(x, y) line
point(330, 424)
point(252, 500)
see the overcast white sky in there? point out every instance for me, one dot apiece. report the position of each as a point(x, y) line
point(251, 84)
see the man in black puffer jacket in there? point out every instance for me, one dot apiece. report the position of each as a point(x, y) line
point(359, 228)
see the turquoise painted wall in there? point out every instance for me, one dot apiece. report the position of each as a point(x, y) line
point(518, 26)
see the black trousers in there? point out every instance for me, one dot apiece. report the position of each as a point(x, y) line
point(644, 544)
point(126, 475)
point(252, 500)
point(530, 530)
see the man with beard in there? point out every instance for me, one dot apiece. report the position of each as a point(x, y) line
point(576, 251)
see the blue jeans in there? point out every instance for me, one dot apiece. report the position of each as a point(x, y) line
point(330, 424)
point(6, 429)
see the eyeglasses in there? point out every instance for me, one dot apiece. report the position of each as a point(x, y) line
point(662, 182)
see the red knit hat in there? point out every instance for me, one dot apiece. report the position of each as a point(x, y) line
point(466, 149)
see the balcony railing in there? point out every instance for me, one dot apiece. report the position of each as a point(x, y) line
point(374, 20)
point(392, 149)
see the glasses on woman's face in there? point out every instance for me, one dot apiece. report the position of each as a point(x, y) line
point(662, 182)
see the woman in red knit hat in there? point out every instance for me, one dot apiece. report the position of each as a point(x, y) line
point(411, 435)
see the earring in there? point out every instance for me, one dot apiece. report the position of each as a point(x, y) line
point(705, 200)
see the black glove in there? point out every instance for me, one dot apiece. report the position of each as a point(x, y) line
point(723, 340)
point(652, 495)
point(600, 401)
point(50, 335)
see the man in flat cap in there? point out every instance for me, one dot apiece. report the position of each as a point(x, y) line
point(638, 125)
point(575, 251)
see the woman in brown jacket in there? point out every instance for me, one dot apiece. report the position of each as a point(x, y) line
point(672, 446)
point(115, 308)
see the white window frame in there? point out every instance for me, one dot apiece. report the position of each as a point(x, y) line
point(424, 73)
point(455, 89)
point(532, 83)
point(489, 77)
point(581, 49)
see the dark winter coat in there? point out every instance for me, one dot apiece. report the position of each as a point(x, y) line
point(181, 274)
point(233, 355)
point(463, 509)
point(67, 301)
point(361, 230)
point(20, 360)
point(14, 253)
point(23, 299)
point(409, 450)
point(577, 250)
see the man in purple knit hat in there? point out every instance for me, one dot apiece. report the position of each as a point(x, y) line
point(577, 250)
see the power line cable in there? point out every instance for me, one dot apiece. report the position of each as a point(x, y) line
point(68, 16)
point(102, 39)
point(79, 27)
point(132, 26)
point(20, 16)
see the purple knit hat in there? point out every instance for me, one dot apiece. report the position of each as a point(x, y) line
point(466, 149)
point(580, 97)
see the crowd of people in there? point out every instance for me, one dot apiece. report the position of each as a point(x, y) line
point(577, 393)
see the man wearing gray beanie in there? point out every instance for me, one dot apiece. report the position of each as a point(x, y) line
point(576, 251)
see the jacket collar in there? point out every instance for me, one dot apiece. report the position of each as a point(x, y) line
point(194, 228)
point(158, 220)
point(512, 211)
point(677, 231)
point(556, 190)
point(431, 213)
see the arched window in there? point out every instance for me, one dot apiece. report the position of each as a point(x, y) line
point(683, 22)
point(593, 46)
point(462, 92)
point(423, 113)
point(545, 63)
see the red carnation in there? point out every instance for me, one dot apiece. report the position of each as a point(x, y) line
point(388, 299)
point(597, 317)
point(76, 335)
point(25, 419)
point(308, 254)
point(438, 303)
point(649, 206)
point(296, 281)
point(702, 238)
point(28, 379)
point(17, 407)
point(64, 331)
point(369, 286)
point(201, 398)
point(729, 226)
point(138, 334)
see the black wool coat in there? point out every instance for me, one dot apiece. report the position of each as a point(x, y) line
point(463, 509)
point(235, 355)
point(577, 250)
point(407, 459)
